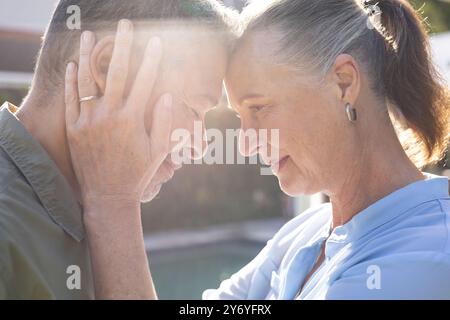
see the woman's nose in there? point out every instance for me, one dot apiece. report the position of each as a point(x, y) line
point(248, 142)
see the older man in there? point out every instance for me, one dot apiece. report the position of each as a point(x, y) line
point(43, 251)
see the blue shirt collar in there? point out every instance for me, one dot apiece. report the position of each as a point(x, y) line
point(384, 210)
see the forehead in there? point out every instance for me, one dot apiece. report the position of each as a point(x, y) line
point(253, 66)
point(184, 43)
point(194, 59)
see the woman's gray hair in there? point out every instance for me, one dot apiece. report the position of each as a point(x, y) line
point(392, 50)
point(312, 33)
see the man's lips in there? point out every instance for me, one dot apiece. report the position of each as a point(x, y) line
point(175, 166)
point(277, 165)
point(170, 170)
point(167, 177)
point(168, 161)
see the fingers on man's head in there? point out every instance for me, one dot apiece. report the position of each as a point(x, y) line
point(71, 94)
point(86, 82)
point(118, 69)
point(147, 75)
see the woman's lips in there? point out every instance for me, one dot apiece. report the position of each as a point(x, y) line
point(277, 166)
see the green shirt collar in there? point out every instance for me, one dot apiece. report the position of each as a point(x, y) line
point(41, 172)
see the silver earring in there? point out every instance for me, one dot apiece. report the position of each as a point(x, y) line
point(351, 113)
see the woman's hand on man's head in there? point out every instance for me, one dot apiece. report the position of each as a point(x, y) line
point(113, 155)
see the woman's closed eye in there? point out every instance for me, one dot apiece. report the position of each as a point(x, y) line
point(256, 108)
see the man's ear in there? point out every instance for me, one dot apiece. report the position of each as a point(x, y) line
point(346, 78)
point(100, 60)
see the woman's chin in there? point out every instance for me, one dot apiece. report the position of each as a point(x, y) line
point(294, 185)
point(289, 190)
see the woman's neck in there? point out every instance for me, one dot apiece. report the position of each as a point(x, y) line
point(380, 169)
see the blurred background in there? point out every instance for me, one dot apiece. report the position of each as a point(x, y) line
point(210, 220)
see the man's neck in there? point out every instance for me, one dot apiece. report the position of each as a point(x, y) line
point(44, 119)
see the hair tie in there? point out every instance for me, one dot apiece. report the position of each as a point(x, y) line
point(373, 12)
point(372, 7)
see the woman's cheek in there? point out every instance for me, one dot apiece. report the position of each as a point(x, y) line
point(276, 133)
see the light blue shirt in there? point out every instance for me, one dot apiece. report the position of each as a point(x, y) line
point(397, 248)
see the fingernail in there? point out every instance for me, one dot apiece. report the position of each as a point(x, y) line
point(70, 68)
point(124, 26)
point(167, 100)
point(87, 37)
point(154, 44)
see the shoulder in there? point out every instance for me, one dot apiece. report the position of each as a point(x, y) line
point(8, 171)
point(17, 202)
point(445, 211)
point(425, 229)
point(410, 275)
point(409, 258)
point(15, 190)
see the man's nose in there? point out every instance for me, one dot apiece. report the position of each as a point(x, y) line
point(199, 142)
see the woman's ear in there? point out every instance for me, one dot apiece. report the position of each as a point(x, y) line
point(100, 60)
point(347, 79)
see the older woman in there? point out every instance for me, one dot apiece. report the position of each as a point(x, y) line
point(359, 111)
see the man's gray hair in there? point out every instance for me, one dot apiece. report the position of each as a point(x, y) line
point(60, 43)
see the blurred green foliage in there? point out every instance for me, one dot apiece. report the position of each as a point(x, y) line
point(436, 13)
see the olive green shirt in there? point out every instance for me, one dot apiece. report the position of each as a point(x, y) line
point(43, 254)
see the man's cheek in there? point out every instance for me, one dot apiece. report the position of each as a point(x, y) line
point(181, 135)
